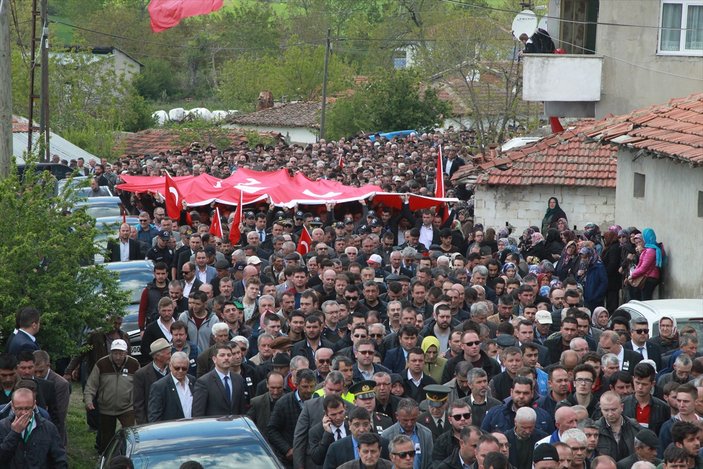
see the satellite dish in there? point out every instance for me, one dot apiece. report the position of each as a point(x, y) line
point(543, 23)
point(524, 23)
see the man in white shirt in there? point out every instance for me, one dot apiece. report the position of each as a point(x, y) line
point(171, 397)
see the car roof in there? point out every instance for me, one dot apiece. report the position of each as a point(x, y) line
point(197, 432)
point(677, 308)
point(103, 200)
point(130, 265)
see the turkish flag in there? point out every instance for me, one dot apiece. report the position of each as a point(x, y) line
point(439, 186)
point(304, 242)
point(216, 225)
point(173, 197)
point(166, 14)
point(234, 231)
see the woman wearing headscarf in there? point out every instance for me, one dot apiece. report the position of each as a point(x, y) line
point(554, 246)
point(593, 277)
point(648, 267)
point(611, 259)
point(538, 248)
point(668, 337)
point(600, 318)
point(434, 361)
point(568, 262)
point(554, 213)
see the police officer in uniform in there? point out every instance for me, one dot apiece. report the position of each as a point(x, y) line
point(435, 418)
point(364, 393)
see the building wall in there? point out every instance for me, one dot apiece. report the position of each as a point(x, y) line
point(655, 79)
point(292, 134)
point(670, 208)
point(525, 206)
point(652, 81)
point(124, 65)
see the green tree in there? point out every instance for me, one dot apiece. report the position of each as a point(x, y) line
point(41, 258)
point(157, 80)
point(393, 101)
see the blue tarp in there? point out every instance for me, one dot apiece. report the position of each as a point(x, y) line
point(392, 135)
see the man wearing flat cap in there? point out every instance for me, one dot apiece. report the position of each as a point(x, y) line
point(364, 393)
point(160, 351)
point(435, 418)
point(646, 446)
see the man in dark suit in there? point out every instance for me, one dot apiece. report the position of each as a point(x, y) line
point(313, 340)
point(414, 379)
point(428, 234)
point(171, 397)
point(261, 406)
point(46, 391)
point(42, 370)
point(468, 441)
point(125, 248)
point(345, 450)
point(452, 162)
point(641, 344)
point(396, 357)
point(332, 427)
point(281, 425)
point(312, 413)
point(195, 243)
point(220, 392)
point(28, 323)
point(160, 351)
point(610, 343)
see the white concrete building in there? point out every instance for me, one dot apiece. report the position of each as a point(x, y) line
point(621, 55)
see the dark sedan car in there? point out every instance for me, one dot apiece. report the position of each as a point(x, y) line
point(222, 442)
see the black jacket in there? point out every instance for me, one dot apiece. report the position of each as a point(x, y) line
point(281, 425)
point(658, 414)
point(530, 446)
point(42, 449)
point(607, 443)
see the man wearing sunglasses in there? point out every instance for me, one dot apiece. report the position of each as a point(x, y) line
point(402, 451)
point(459, 417)
point(171, 397)
point(640, 343)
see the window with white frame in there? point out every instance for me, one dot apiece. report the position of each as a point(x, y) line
point(681, 27)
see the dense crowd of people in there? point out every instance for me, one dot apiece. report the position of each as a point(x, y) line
point(399, 339)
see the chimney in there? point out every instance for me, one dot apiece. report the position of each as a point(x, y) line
point(265, 100)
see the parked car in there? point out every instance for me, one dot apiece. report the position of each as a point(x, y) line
point(101, 206)
point(133, 277)
point(78, 181)
point(687, 312)
point(214, 442)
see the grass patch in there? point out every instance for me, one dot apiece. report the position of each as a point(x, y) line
point(81, 443)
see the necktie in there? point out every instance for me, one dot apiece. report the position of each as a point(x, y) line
point(228, 391)
point(339, 435)
point(439, 425)
point(641, 351)
point(261, 236)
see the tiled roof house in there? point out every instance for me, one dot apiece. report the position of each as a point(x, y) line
point(298, 122)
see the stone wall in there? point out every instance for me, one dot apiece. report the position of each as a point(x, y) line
point(523, 206)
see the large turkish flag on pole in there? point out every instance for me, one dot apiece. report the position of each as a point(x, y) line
point(304, 242)
point(166, 14)
point(234, 231)
point(173, 197)
point(216, 225)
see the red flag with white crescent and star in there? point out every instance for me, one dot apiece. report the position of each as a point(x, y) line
point(439, 187)
point(234, 231)
point(173, 198)
point(304, 242)
point(216, 225)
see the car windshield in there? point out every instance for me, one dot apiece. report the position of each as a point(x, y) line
point(134, 281)
point(219, 455)
point(97, 211)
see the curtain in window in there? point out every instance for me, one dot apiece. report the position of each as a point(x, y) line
point(694, 28)
point(671, 27)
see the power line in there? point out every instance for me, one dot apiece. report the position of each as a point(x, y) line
point(563, 20)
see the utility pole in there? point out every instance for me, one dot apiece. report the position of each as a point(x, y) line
point(324, 85)
point(5, 90)
point(41, 14)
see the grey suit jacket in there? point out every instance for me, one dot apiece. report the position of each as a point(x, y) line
point(143, 379)
point(209, 396)
point(311, 415)
point(63, 396)
point(426, 443)
point(260, 411)
point(164, 401)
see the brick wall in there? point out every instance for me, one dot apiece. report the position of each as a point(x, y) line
point(523, 206)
